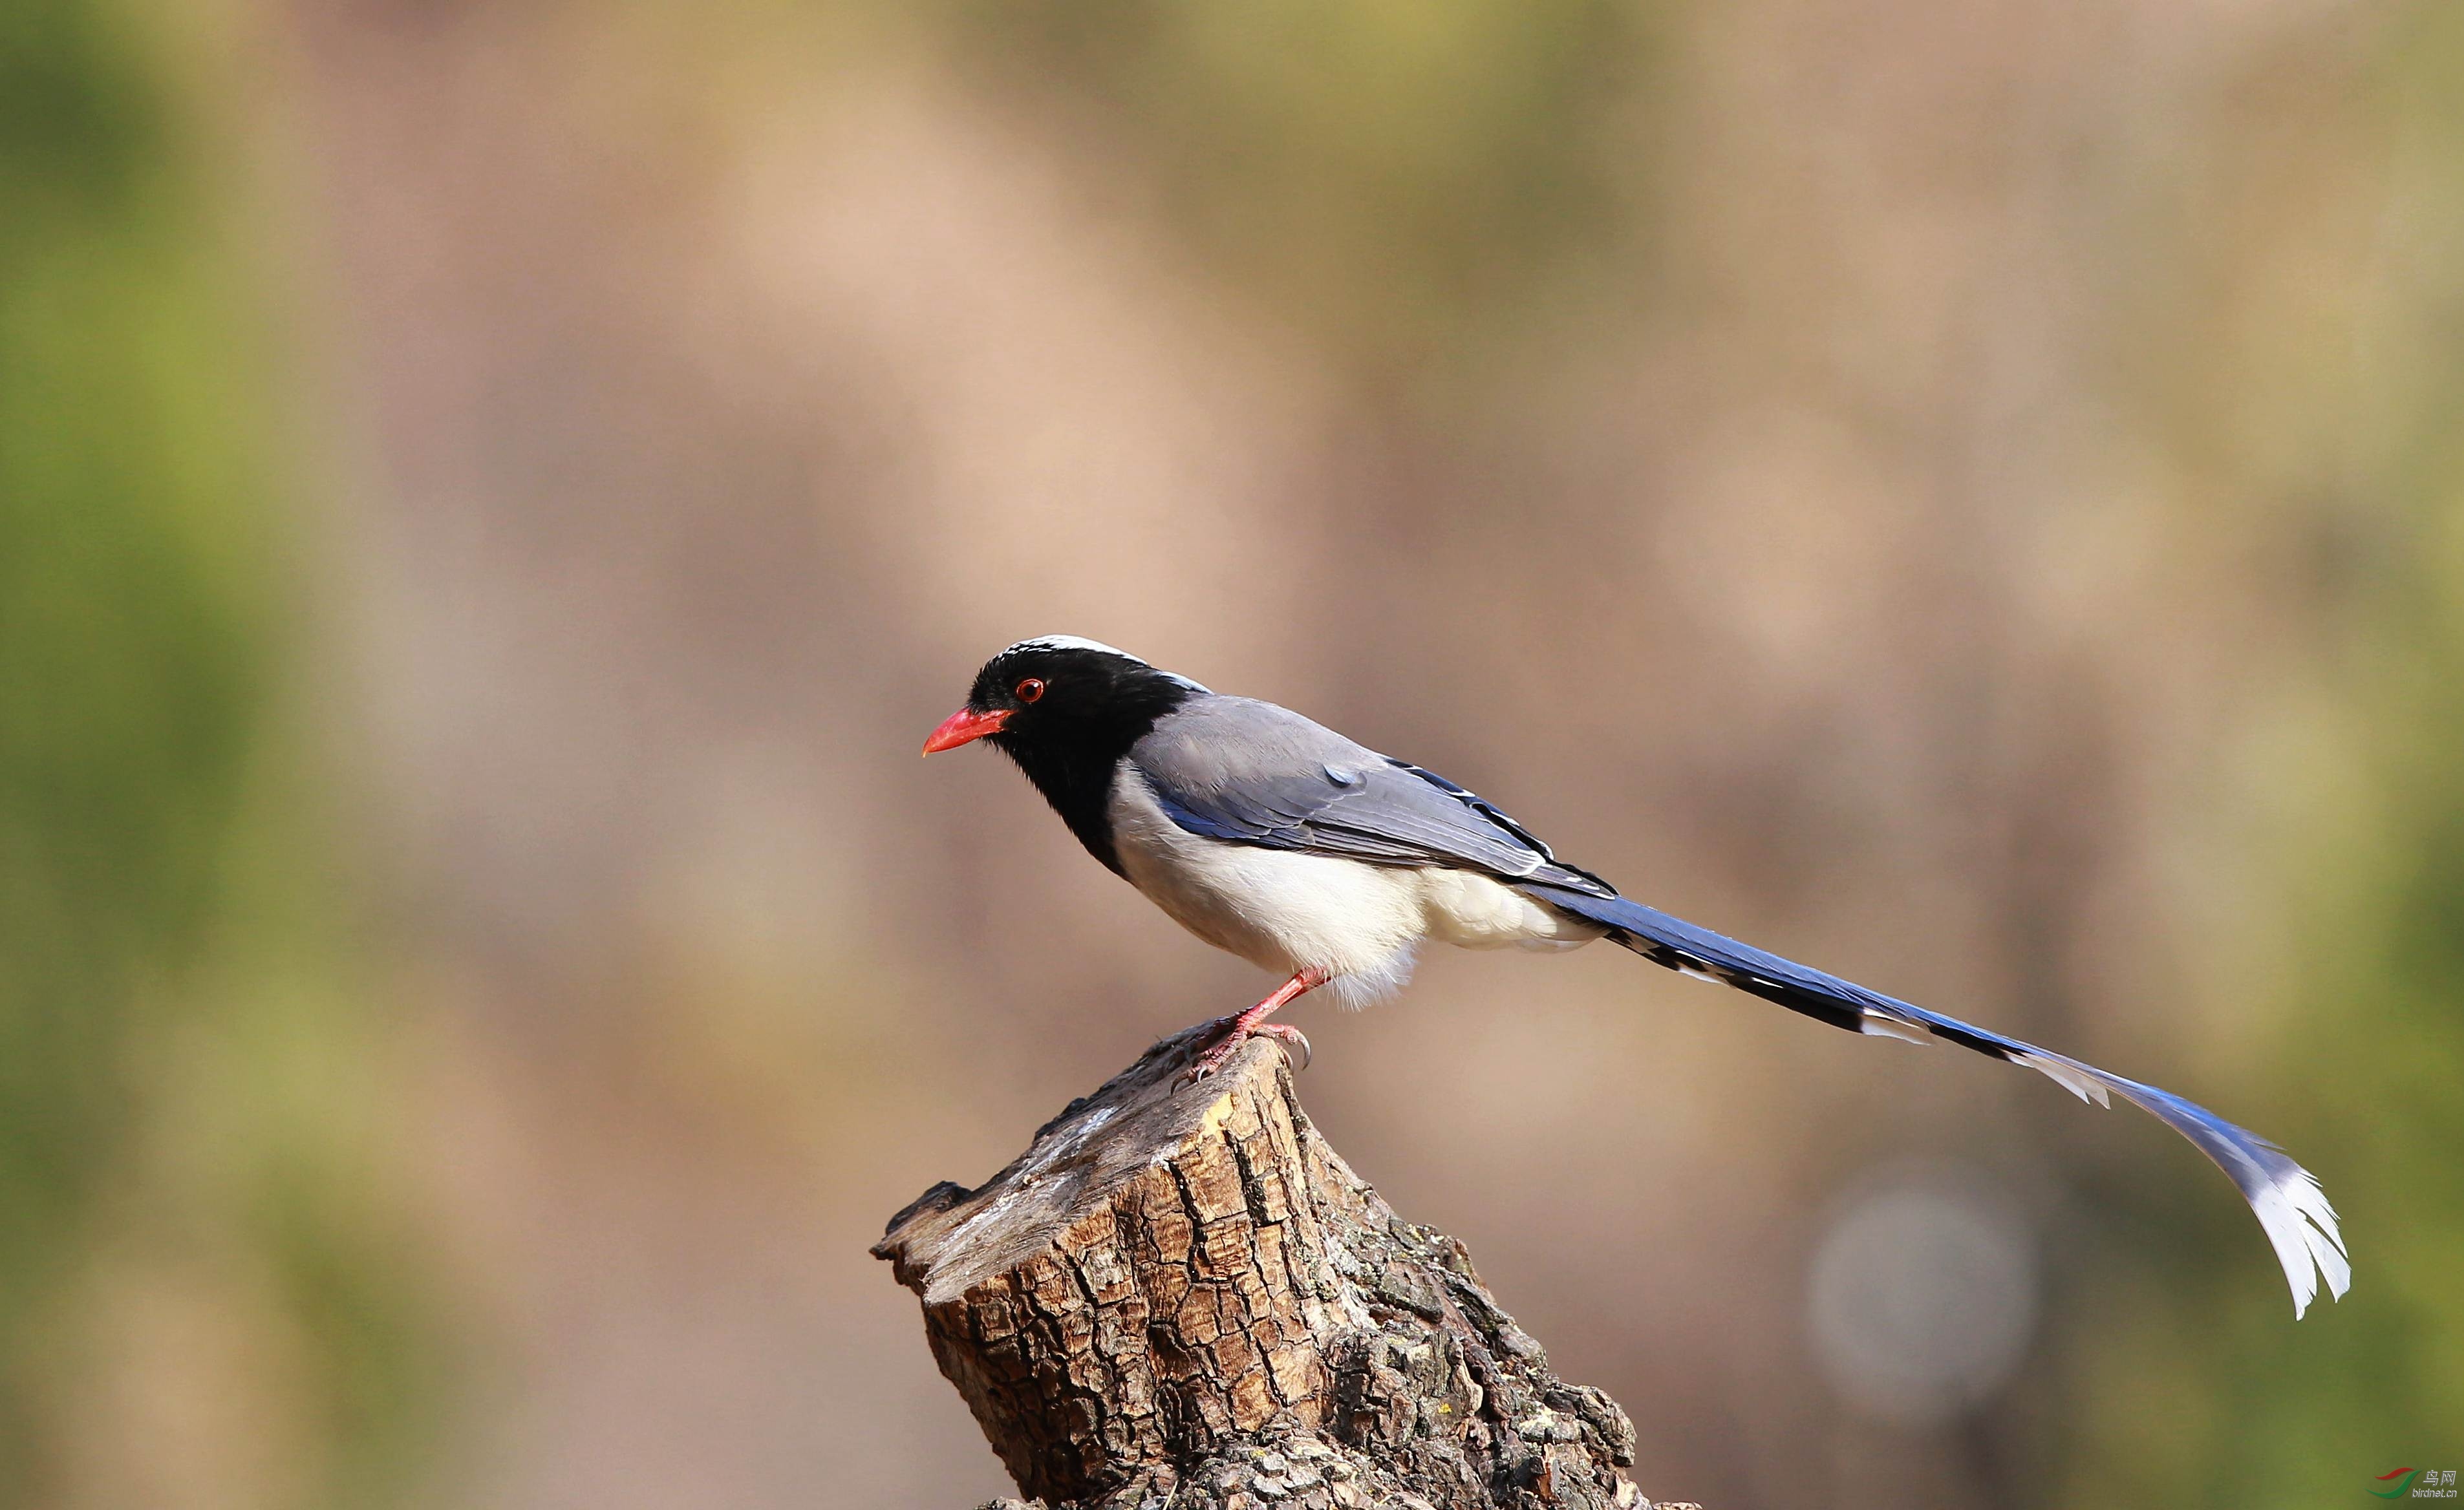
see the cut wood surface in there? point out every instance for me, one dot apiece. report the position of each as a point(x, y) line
point(1179, 1298)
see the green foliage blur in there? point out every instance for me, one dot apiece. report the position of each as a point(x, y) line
point(2197, 1394)
point(202, 1295)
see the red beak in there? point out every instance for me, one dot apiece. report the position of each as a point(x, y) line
point(964, 727)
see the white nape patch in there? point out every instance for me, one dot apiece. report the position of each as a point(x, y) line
point(2068, 1076)
point(1069, 642)
point(2301, 1228)
point(1882, 1025)
point(1358, 925)
point(1072, 641)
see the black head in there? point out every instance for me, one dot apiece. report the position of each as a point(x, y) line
point(1066, 709)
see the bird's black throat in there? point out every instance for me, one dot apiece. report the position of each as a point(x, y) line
point(1070, 741)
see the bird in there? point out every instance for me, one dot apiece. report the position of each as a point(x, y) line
point(1330, 864)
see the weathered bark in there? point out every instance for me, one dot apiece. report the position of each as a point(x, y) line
point(1178, 1296)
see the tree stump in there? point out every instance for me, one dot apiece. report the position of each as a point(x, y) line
point(1180, 1296)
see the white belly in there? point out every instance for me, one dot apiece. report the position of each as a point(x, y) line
point(1358, 925)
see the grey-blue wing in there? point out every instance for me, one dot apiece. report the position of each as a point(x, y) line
point(1253, 773)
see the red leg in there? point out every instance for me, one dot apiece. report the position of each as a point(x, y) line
point(1253, 1023)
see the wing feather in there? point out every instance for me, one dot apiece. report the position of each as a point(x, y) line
point(1255, 774)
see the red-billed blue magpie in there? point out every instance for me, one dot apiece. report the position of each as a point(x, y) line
point(1280, 840)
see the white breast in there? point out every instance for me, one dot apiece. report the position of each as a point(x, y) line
point(1357, 924)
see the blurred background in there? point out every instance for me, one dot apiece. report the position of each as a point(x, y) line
point(491, 497)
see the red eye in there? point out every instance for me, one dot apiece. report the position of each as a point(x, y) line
point(1029, 689)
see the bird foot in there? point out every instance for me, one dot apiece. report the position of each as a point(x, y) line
point(1236, 1033)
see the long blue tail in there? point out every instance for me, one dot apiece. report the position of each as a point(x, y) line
point(2286, 1197)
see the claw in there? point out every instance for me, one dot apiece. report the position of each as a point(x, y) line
point(1206, 1065)
point(1253, 1023)
point(1286, 1035)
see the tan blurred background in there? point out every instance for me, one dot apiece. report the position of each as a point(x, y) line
point(491, 497)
